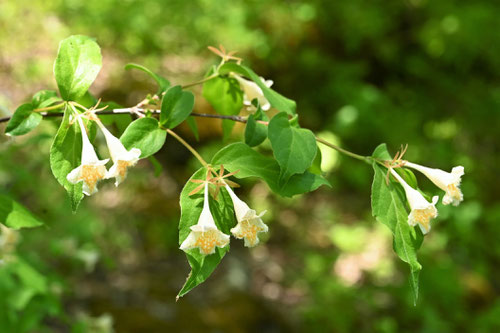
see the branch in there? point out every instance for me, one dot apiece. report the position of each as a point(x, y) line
point(131, 111)
point(240, 119)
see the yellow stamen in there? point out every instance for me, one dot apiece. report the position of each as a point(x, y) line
point(91, 175)
point(249, 231)
point(207, 241)
point(423, 217)
point(454, 192)
point(122, 168)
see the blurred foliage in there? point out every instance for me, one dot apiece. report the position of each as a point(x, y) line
point(420, 72)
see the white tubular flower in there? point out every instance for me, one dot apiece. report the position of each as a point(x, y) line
point(447, 181)
point(91, 170)
point(205, 235)
point(249, 223)
point(422, 211)
point(252, 90)
point(122, 158)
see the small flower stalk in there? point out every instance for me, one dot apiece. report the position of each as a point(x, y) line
point(92, 170)
point(422, 211)
point(249, 222)
point(121, 157)
point(205, 235)
point(447, 181)
point(252, 91)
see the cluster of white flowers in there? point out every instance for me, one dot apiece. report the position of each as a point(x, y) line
point(92, 170)
point(423, 211)
point(206, 236)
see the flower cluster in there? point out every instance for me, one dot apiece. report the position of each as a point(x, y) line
point(423, 211)
point(206, 236)
point(92, 170)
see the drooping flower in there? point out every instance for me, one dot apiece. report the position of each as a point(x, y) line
point(422, 211)
point(122, 158)
point(91, 170)
point(251, 91)
point(205, 235)
point(249, 223)
point(447, 181)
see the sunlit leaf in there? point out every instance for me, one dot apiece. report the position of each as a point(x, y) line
point(77, 64)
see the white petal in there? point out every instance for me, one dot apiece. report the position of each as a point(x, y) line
point(189, 242)
point(74, 176)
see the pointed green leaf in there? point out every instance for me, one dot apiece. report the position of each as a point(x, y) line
point(389, 208)
point(239, 156)
point(255, 132)
point(226, 97)
point(77, 64)
point(15, 216)
point(163, 84)
point(176, 106)
point(191, 207)
point(294, 148)
point(45, 98)
point(23, 120)
point(145, 134)
point(65, 155)
point(277, 101)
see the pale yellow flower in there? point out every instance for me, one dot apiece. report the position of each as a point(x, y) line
point(91, 170)
point(251, 91)
point(249, 223)
point(205, 235)
point(447, 181)
point(122, 158)
point(422, 211)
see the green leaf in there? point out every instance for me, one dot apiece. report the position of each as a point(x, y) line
point(277, 101)
point(23, 120)
point(316, 165)
point(77, 64)
point(408, 176)
point(226, 97)
point(176, 106)
point(255, 133)
point(163, 83)
point(15, 216)
point(239, 156)
point(45, 98)
point(191, 207)
point(302, 183)
point(145, 134)
point(294, 148)
point(65, 155)
point(389, 208)
point(191, 121)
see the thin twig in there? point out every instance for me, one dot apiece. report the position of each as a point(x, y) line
point(213, 76)
point(240, 119)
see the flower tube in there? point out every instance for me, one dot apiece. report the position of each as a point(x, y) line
point(249, 223)
point(205, 235)
point(122, 158)
point(91, 170)
point(422, 211)
point(447, 181)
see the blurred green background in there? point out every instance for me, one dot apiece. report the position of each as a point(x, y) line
point(421, 72)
